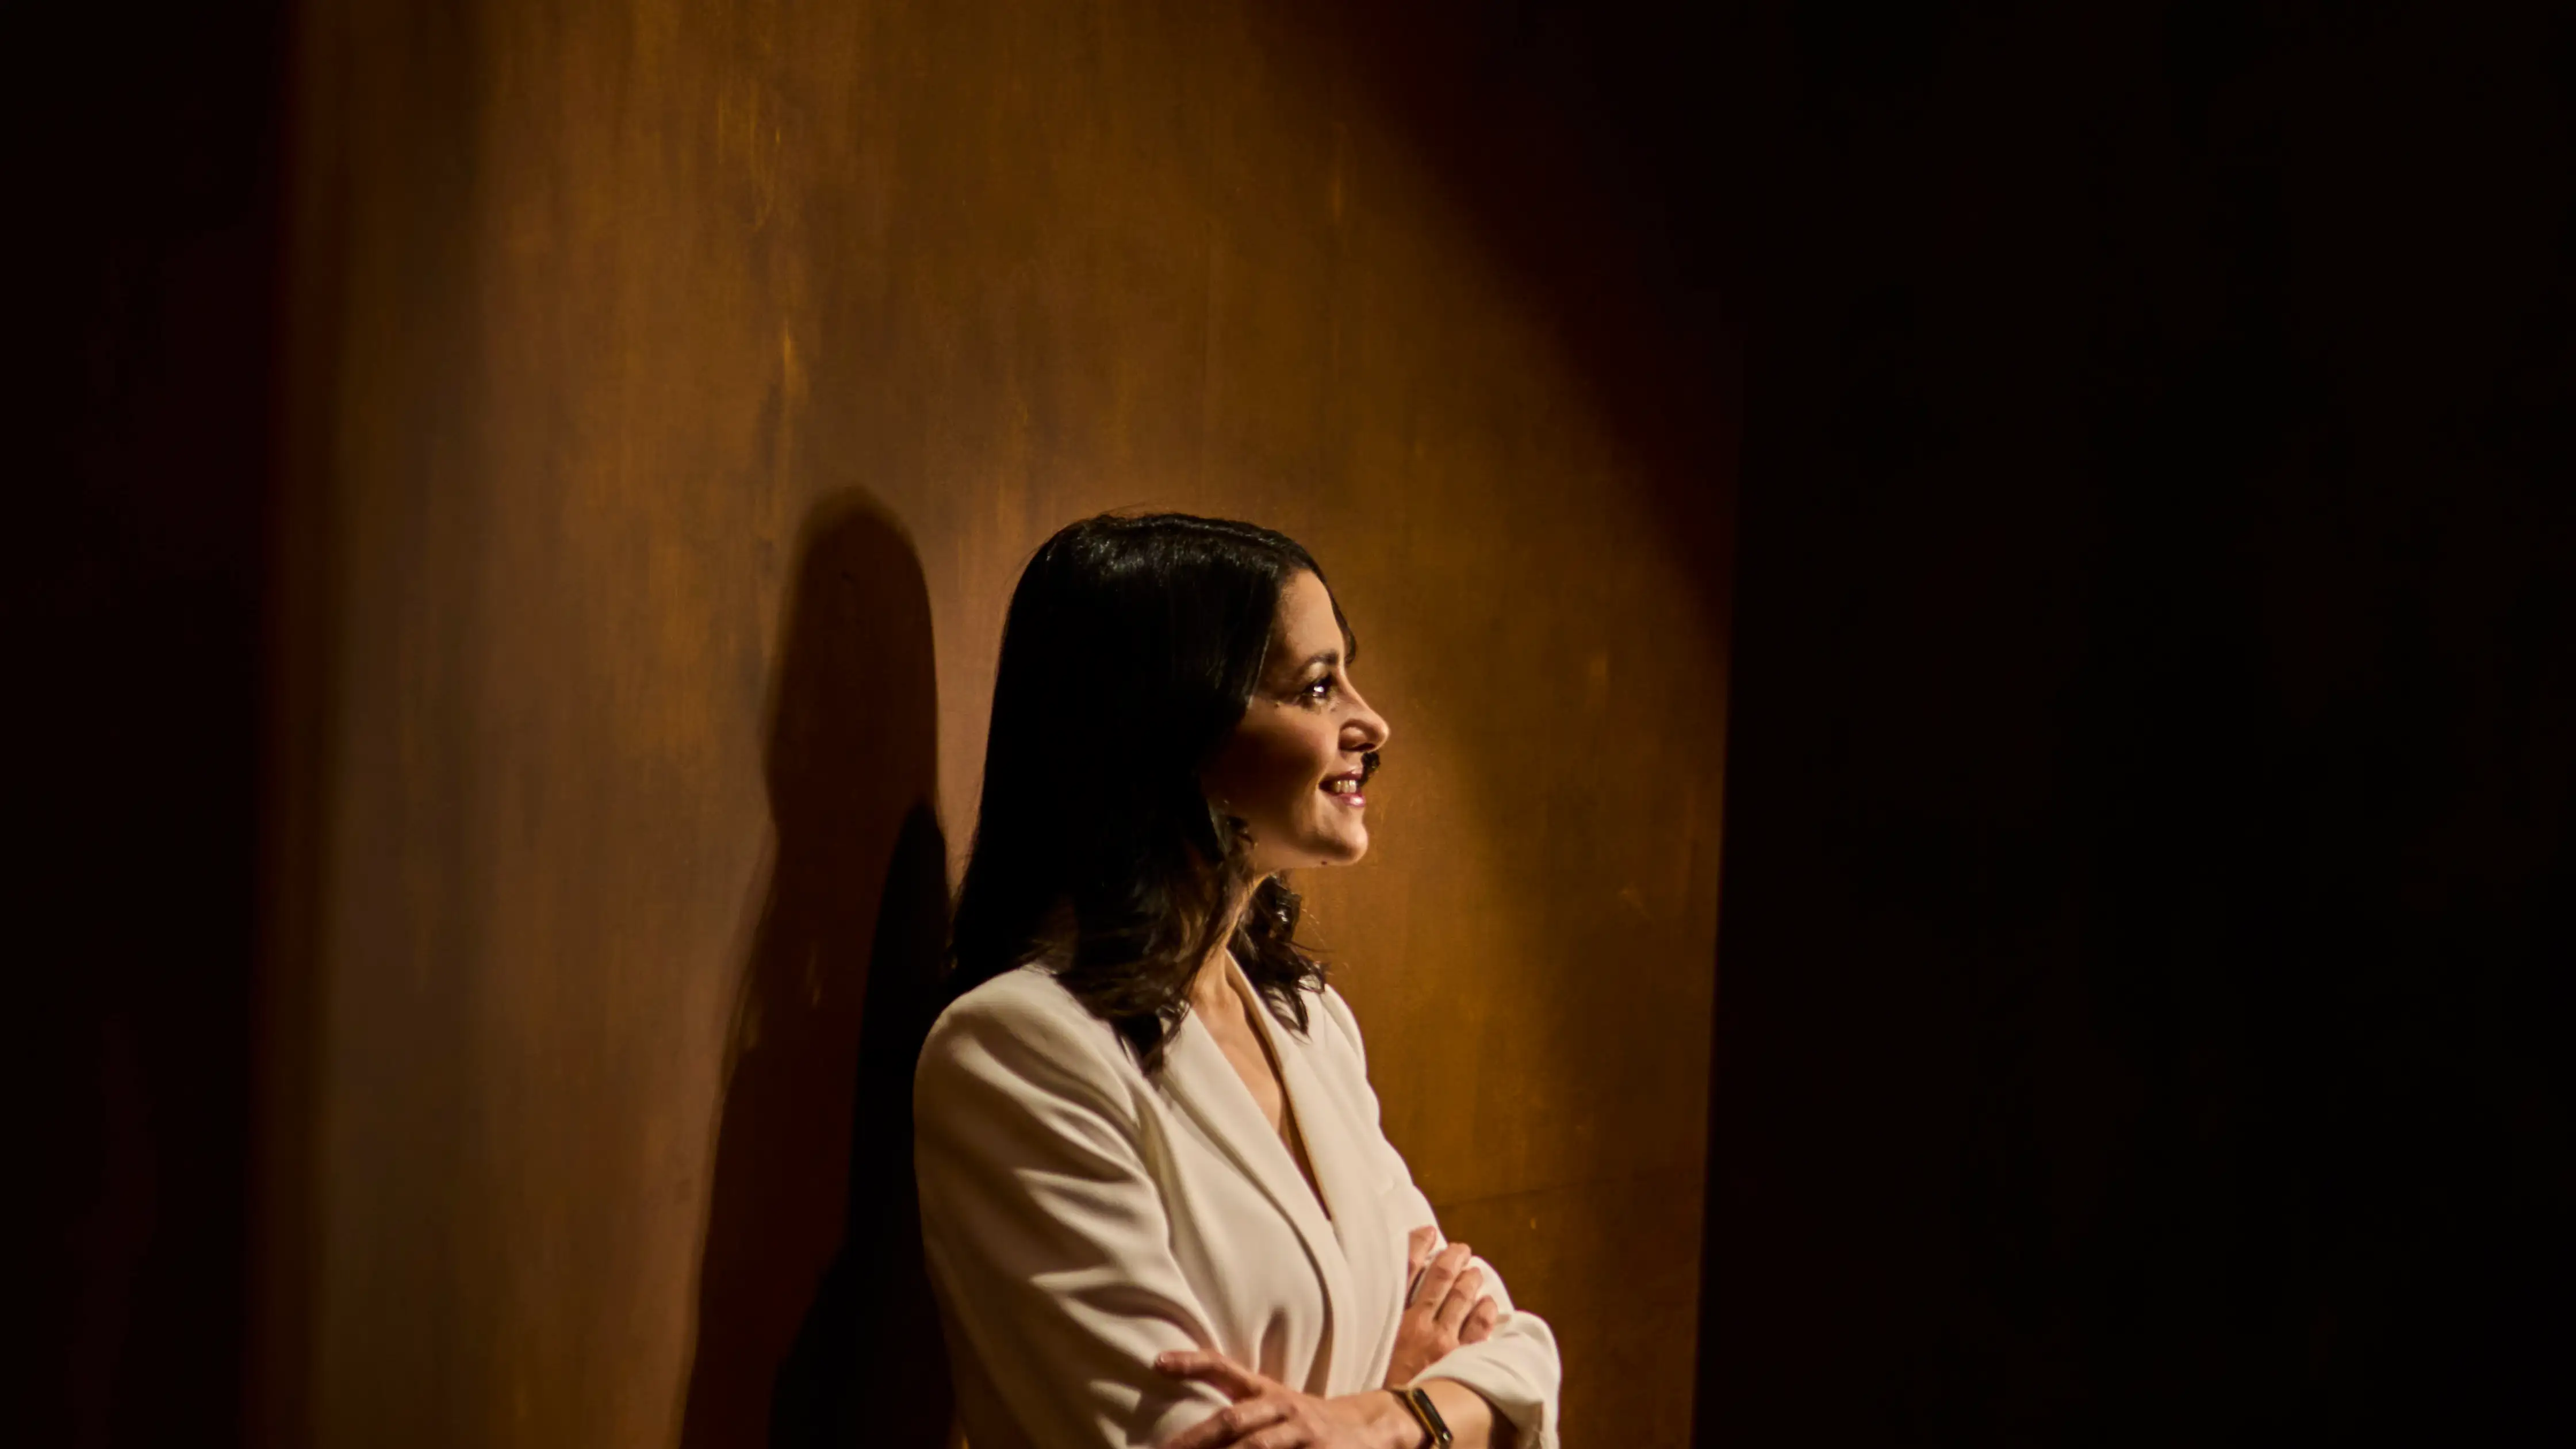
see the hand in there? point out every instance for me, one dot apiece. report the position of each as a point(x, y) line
point(1267, 1414)
point(1447, 1311)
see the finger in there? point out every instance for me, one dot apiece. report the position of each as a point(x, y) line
point(1480, 1323)
point(1417, 1255)
point(1228, 1426)
point(1292, 1435)
point(1461, 1300)
point(1237, 1381)
point(1417, 1250)
point(1442, 1272)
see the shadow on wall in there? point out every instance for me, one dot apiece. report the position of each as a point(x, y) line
point(814, 1313)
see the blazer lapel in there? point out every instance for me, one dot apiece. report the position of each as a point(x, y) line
point(1207, 1086)
point(1337, 1145)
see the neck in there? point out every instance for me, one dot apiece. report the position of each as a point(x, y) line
point(1212, 989)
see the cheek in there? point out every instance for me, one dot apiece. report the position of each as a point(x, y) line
point(1279, 764)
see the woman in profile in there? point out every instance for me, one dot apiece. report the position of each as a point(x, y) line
point(1156, 1205)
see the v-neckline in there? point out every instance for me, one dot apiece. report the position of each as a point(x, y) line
point(1354, 1259)
point(1293, 1141)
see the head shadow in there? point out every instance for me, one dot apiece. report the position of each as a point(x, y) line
point(815, 1322)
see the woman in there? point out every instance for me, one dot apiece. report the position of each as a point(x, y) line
point(1156, 1205)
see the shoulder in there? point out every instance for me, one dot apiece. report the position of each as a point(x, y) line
point(1026, 992)
point(1331, 1023)
point(1335, 1048)
point(1022, 1025)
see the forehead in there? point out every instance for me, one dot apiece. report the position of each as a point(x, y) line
point(1304, 626)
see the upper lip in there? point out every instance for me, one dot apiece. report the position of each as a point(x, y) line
point(1360, 775)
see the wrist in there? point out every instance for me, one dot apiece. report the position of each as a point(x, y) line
point(1396, 1424)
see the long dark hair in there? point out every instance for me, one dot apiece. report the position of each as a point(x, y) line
point(1132, 647)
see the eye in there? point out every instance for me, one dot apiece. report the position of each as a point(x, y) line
point(1322, 688)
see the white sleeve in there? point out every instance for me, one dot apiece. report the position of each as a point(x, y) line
point(1044, 1234)
point(1517, 1369)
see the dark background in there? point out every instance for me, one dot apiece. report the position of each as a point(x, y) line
point(2147, 866)
point(143, 195)
point(2145, 942)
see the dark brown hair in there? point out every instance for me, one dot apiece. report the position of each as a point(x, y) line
point(1131, 650)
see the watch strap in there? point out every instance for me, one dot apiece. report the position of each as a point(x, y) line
point(1429, 1415)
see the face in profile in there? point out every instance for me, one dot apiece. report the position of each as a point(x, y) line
point(1292, 769)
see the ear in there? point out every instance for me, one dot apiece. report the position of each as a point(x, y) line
point(1222, 827)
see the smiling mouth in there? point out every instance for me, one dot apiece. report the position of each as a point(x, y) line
point(1346, 789)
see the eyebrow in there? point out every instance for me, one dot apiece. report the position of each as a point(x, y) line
point(1327, 656)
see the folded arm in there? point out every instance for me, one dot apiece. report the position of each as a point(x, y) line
point(1046, 1236)
point(1514, 1372)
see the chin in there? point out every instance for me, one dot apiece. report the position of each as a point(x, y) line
point(1316, 854)
point(1343, 851)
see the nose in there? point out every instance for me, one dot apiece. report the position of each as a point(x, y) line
point(1373, 730)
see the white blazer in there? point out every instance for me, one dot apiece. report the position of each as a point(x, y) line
point(1078, 1218)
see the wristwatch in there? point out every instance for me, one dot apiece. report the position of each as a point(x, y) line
point(1432, 1424)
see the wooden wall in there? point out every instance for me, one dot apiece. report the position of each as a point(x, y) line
point(673, 394)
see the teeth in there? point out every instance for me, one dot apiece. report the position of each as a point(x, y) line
point(1343, 787)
